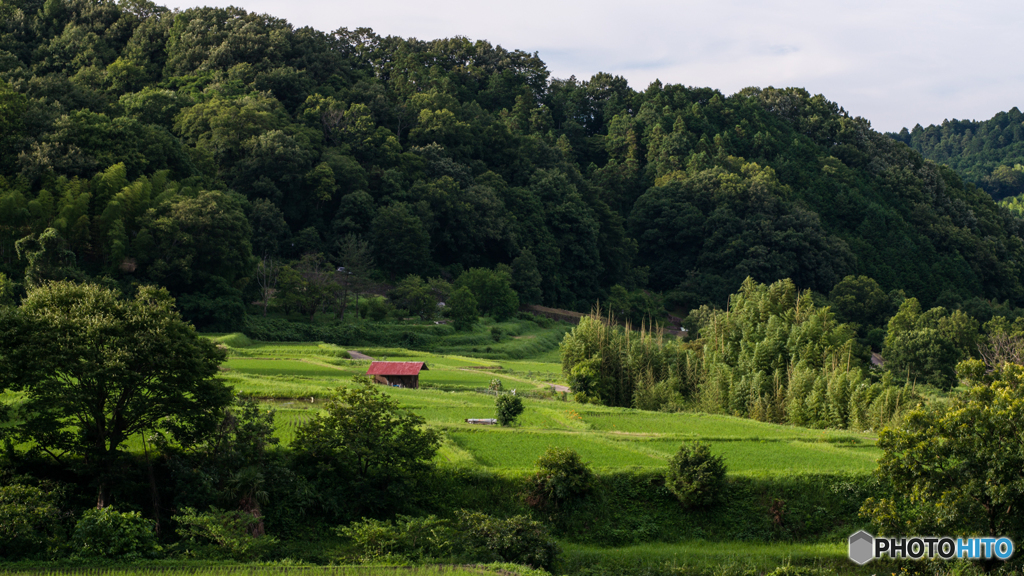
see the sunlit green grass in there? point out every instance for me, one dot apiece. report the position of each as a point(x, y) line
point(274, 367)
point(698, 425)
point(607, 437)
point(521, 448)
point(720, 557)
point(165, 569)
point(538, 415)
point(774, 457)
point(317, 359)
point(454, 379)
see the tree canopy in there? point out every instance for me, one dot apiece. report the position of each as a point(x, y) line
point(139, 134)
point(956, 468)
point(987, 153)
point(96, 369)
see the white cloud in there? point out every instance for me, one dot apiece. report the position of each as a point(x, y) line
point(896, 63)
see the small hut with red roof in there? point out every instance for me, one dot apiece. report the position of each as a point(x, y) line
point(398, 374)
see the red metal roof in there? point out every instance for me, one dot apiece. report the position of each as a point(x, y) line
point(396, 368)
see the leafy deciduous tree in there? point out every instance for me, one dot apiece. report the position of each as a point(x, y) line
point(956, 468)
point(364, 444)
point(493, 291)
point(508, 407)
point(97, 369)
point(462, 309)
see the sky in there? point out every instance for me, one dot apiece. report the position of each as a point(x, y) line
point(895, 62)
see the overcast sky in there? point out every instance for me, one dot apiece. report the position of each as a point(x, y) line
point(895, 62)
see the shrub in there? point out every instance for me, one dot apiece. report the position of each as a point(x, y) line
point(496, 385)
point(562, 477)
point(509, 408)
point(107, 533)
point(471, 537)
point(364, 452)
point(695, 476)
point(517, 539)
point(404, 538)
point(217, 533)
point(29, 522)
point(497, 333)
point(378, 308)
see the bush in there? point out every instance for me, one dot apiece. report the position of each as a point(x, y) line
point(29, 522)
point(562, 478)
point(222, 533)
point(695, 476)
point(364, 452)
point(107, 533)
point(497, 333)
point(471, 537)
point(517, 539)
point(404, 538)
point(509, 408)
point(378, 309)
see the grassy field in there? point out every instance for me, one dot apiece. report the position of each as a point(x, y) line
point(295, 370)
point(156, 569)
point(296, 378)
point(520, 449)
point(703, 557)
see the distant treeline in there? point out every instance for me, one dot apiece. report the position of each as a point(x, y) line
point(987, 153)
point(140, 145)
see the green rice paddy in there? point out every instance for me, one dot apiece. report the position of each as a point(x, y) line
point(281, 367)
point(297, 378)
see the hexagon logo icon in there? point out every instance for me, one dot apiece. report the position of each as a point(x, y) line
point(861, 547)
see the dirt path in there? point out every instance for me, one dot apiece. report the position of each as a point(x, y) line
point(358, 355)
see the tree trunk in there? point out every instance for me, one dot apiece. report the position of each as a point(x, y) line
point(251, 505)
point(102, 496)
point(344, 301)
point(154, 494)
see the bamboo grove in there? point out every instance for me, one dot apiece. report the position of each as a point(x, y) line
point(772, 355)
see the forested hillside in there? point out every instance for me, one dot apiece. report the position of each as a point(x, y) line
point(140, 145)
point(987, 153)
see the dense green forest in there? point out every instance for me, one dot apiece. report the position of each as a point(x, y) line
point(986, 153)
point(140, 145)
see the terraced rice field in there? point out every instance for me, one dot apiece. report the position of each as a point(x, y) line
point(296, 380)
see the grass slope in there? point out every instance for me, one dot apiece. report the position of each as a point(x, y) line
point(296, 378)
